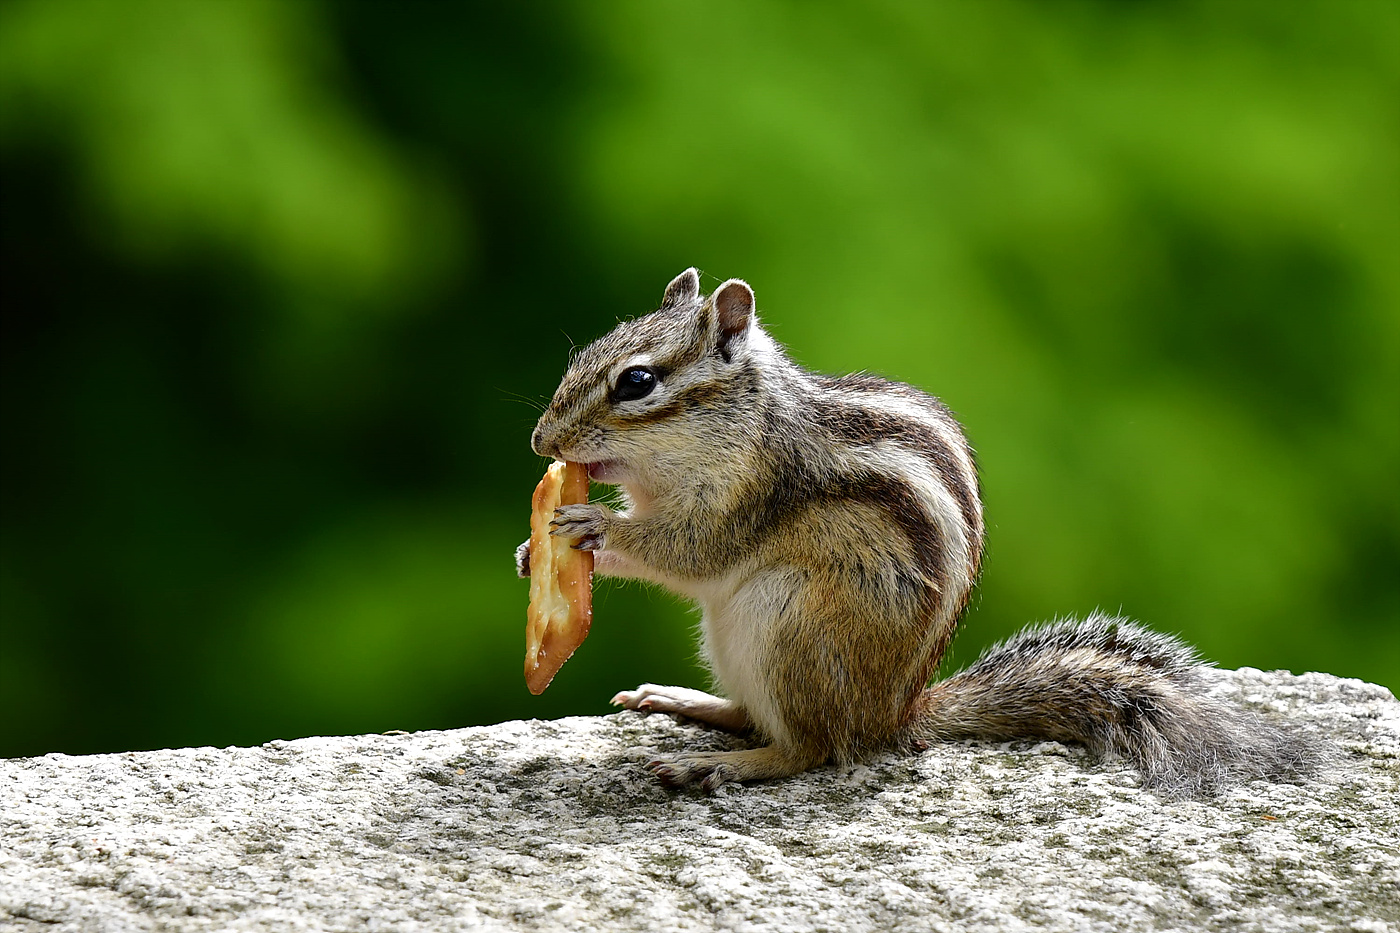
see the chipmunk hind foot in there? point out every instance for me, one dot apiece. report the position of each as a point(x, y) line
point(713, 769)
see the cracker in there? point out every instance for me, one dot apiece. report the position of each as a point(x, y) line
point(561, 579)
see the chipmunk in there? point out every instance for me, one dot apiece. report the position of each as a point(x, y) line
point(831, 530)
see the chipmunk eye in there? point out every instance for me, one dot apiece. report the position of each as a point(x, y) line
point(634, 383)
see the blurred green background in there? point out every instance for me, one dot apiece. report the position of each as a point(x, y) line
point(285, 283)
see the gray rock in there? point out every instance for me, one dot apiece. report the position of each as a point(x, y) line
point(555, 826)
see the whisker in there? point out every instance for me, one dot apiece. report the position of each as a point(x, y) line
point(510, 396)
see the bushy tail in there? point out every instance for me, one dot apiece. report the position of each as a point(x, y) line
point(1121, 690)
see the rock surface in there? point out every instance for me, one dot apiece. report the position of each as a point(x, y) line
point(555, 826)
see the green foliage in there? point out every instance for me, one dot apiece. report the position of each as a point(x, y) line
point(277, 278)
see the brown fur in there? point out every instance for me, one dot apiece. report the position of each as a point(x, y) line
point(831, 529)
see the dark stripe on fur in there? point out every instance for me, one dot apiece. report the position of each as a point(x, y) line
point(856, 425)
point(898, 500)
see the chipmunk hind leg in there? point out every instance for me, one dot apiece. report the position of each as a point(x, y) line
point(712, 769)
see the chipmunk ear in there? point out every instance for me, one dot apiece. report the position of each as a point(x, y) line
point(733, 303)
point(683, 288)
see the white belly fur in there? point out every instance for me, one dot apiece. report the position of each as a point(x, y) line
point(739, 625)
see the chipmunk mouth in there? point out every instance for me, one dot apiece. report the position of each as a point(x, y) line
point(611, 471)
point(606, 471)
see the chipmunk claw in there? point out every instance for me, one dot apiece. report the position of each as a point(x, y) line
point(669, 773)
point(586, 521)
point(688, 769)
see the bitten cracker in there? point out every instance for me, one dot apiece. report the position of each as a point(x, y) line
point(561, 580)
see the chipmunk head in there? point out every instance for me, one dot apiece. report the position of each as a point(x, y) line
point(645, 388)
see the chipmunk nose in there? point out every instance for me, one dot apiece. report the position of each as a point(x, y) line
point(546, 444)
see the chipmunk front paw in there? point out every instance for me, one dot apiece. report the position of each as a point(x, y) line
point(586, 521)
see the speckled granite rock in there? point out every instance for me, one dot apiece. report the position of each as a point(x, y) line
point(554, 826)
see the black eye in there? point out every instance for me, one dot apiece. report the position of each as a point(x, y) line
point(634, 383)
